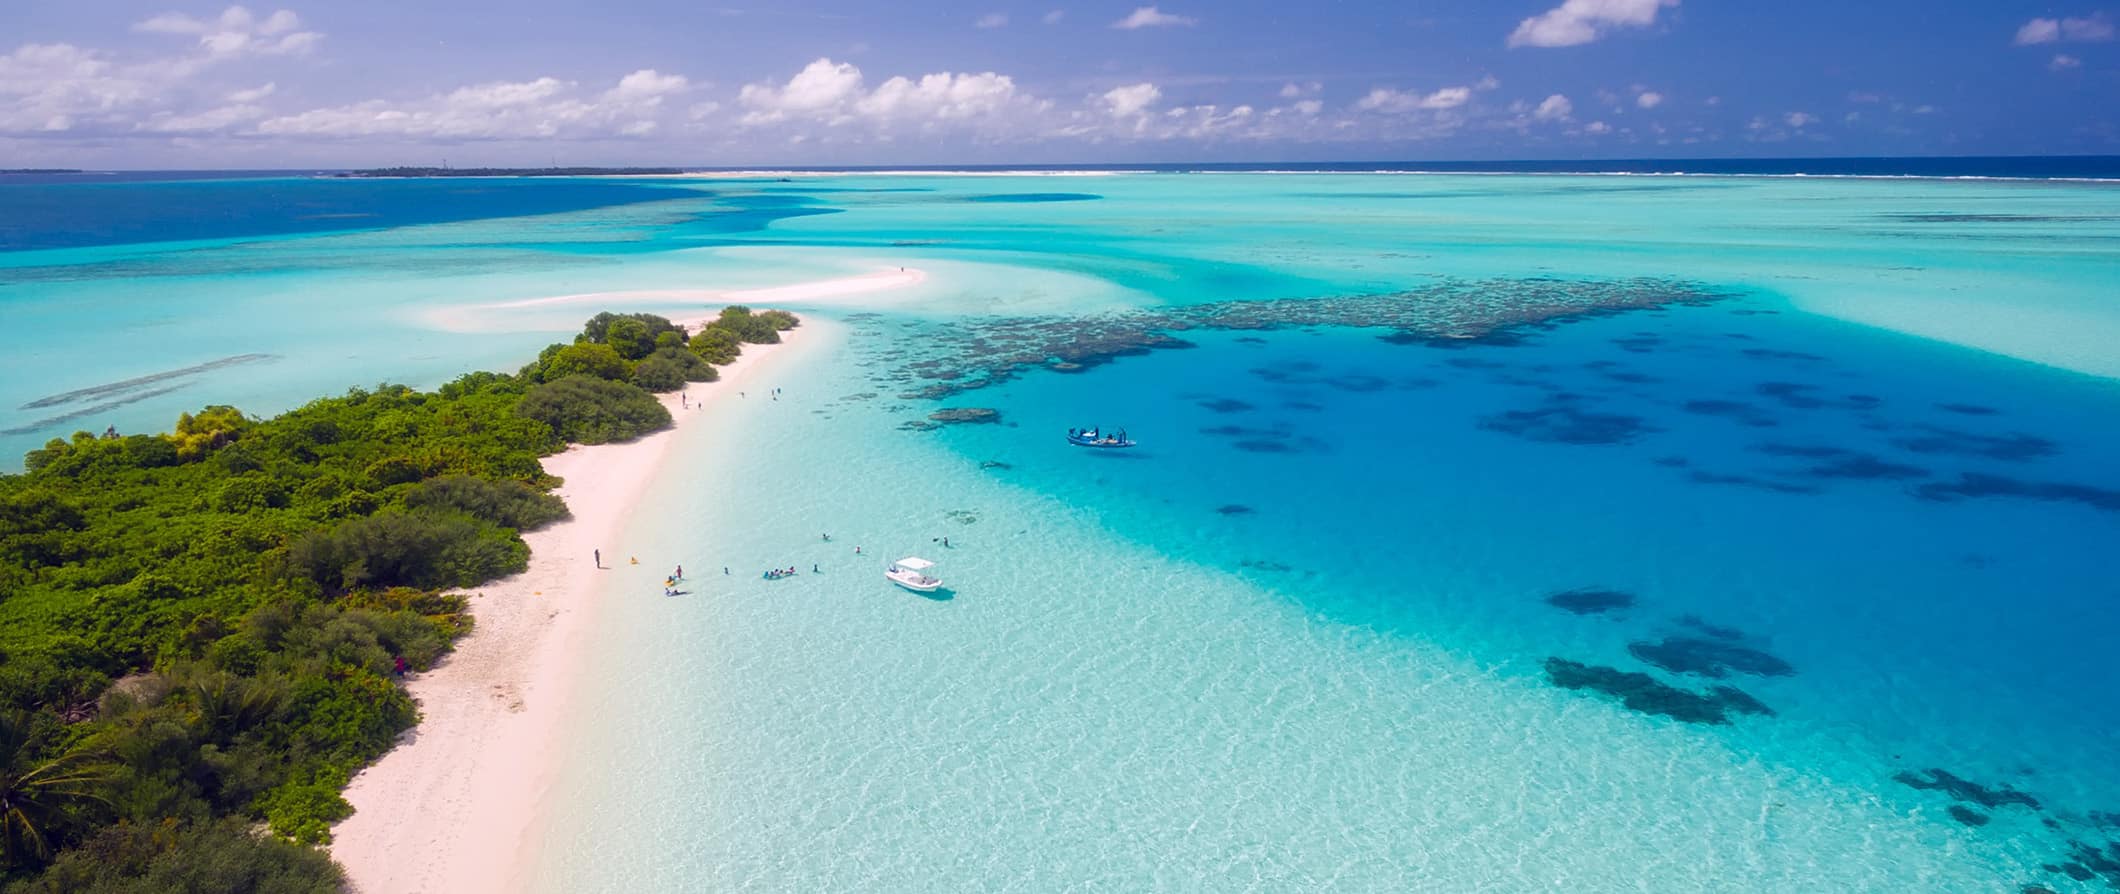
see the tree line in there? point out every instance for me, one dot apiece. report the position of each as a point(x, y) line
point(202, 632)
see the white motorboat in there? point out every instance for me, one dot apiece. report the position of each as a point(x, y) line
point(911, 573)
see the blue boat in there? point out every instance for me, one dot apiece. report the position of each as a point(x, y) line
point(1090, 437)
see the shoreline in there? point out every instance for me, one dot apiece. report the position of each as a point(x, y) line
point(450, 807)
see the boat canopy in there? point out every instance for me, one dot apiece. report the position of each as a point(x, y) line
point(914, 563)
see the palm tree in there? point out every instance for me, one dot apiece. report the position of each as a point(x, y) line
point(34, 793)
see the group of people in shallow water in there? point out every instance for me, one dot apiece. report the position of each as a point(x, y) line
point(677, 576)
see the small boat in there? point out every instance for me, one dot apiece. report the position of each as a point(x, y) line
point(1090, 437)
point(911, 573)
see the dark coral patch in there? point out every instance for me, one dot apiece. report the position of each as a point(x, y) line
point(1843, 463)
point(1791, 394)
point(1496, 338)
point(1974, 484)
point(2010, 448)
point(1968, 816)
point(1968, 409)
point(1645, 694)
point(1560, 423)
point(1701, 476)
point(1590, 600)
point(1731, 409)
point(1963, 789)
point(1639, 343)
point(966, 416)
point(1739, 701)
point(1713, 658)
point(1227, 405)
point(1235, 509)
point(1304, 405)
point(1773, 354)
point(1359, 382)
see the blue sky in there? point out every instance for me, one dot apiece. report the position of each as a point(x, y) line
point(146, 83)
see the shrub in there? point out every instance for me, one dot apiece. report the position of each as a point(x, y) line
point(716, 344)
point(193, 858)
point(748, 327)
point(509, 504)
point(585, 359)
point(587, 410)
point(695, 368)
point(633, 335)
point(780, 320)
point(659, 374)
point(414, 549)
point(250, 493)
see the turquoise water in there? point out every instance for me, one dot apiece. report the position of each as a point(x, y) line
point(1301, 638)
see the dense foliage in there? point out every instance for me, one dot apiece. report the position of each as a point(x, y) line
point(200, 631)
point(590, 410)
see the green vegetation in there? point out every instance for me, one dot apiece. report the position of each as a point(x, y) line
point(201, 632)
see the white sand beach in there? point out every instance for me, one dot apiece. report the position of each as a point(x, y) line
point(448, 809)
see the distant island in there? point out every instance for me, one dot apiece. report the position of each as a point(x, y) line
point(506, 172)
point(42, 171)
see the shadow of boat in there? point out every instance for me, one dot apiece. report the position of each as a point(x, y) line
point(942, 594)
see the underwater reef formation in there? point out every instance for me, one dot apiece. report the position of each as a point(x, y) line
point(1963, 789)
point(973, 354)
point(1645, 694)
point(1968, 816)
point(1975, 484)
point(1561, 421)
point(965, 415)
point(1712, 658)
point(1590, 600)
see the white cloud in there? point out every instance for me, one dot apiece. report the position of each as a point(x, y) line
point(1383, 99)
point(943, 96)
point(1577, 22)
point(209, 121)
point(1648, 99)
point(1054, 17)
point(2063, 62)
point(820, 86)
point(1294, 90)
point(992, 20)
point(1553, 108)
point(1308, 107)
point(238, 31)
point(1799, 120)
point(2039, 31)
point(1151, 17)
point(1131, 100)
point(648, 86)
point(837, 96)
point(2093, 28)
point(1597, 127)
point(542, 108)
point(253, 94)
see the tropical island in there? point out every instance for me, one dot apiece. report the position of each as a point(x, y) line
point(509, 172)
point(205, 634)
point(42, 171)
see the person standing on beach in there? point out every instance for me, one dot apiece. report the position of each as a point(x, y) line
point(597, 556)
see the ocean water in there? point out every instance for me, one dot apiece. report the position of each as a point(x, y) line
point(1300, 638)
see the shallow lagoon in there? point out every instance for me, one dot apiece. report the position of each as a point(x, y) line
point(1303, 636)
